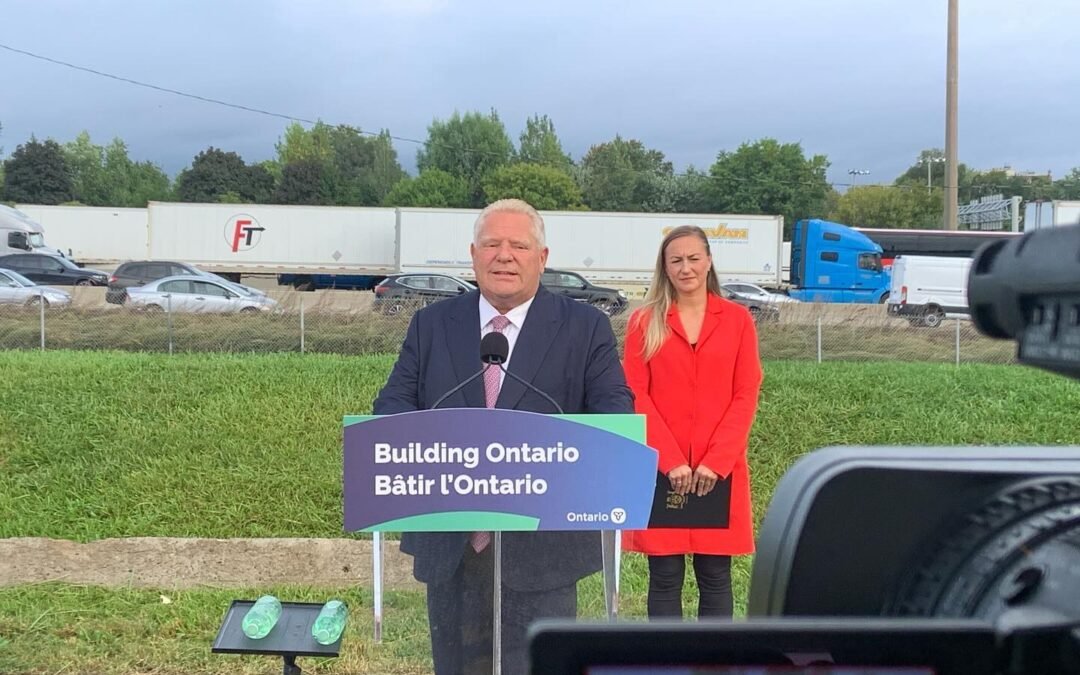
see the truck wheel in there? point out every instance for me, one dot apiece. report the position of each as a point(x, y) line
point(933, 317)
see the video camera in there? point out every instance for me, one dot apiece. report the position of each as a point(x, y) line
point(911, 560)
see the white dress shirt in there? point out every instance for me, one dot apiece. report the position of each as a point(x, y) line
point(516, 316)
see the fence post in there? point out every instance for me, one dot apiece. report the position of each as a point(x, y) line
point(819, 339)
point(168, 320)
point(301, 324)
point(958, 342)
point(41, 308)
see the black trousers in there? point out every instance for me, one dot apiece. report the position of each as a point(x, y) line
point(461, 619)
point(713, 575)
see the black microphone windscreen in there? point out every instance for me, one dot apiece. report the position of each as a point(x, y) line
point(494, 348)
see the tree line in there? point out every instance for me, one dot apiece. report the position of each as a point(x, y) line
point(469, 160)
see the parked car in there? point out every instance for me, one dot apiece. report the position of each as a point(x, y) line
point(187, 293)
point(761, 311)
point(756, 293)
point(142, 272)
point(401, 292)
point(15, 289)
point(52, 270)
point(608, 300)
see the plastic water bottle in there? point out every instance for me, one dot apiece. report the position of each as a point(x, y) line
point(330, 623)
point(261, 618)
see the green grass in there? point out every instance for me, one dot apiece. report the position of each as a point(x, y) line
point(114, 444)
point(96, 445)
point(54, 628)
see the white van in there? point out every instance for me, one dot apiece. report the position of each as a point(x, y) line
point(927, 289)
point(20, 234)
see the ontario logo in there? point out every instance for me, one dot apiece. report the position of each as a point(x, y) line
point(243, 232)
point(721, 232)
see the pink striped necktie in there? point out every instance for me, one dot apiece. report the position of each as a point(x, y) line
point(480, 540)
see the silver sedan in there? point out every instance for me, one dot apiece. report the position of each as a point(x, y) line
point(15, 289)
point(197, 295)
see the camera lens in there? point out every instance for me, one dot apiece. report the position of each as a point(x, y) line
point(1018, 549)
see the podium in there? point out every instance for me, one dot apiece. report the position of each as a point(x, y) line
point(571, 480)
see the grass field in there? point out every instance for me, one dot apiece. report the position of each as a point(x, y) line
point(113, 444)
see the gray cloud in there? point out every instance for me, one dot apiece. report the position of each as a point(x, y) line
point(859, 80)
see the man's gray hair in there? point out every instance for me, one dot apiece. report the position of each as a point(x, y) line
point(512, 206)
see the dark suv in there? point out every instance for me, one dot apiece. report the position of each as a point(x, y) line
point(142, 272)
point(403, 292)
point(51, 270)
point(608, 300)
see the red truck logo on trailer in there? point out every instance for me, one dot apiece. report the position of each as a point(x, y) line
point(243, 232)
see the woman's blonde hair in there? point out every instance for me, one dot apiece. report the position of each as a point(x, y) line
point(661, 294)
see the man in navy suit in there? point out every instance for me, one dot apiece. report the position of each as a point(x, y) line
point(564, 348)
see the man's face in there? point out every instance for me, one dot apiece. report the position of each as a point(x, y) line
point(507, 260)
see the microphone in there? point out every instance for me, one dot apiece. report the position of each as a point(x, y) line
point(493, 351)
point(501, 347)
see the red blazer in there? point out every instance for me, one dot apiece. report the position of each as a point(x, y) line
point(699, 405)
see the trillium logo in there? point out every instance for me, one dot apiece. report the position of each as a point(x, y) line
point(618, 516)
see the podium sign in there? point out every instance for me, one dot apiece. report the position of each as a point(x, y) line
point(464, 469)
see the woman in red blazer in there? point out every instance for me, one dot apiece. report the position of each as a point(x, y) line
point(691, 359)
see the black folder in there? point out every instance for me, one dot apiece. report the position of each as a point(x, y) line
point(671, 510)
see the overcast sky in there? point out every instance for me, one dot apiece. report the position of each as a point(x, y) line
point(862, 81)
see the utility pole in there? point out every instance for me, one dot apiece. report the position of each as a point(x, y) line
point(952, 172)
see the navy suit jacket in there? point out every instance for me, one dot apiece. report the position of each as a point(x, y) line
point(566, 349)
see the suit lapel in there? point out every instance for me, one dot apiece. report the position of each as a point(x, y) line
point(533, 342)
point(462, 334)
point(712, 319)
point(675, 323)
point(713, 309)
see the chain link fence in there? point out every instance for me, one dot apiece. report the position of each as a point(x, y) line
point(345, 322)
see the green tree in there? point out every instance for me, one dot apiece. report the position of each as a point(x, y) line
point(356, 168)
point(133, 184)
point(215, 172)
point(545, 187)
point(889, 206)
point(433, 188)
point(86, 162)
point(623, 175)
point(769, 177)
point(364, 168)
point(540, 145)
point(305, 181)
point(300, 144)
point(106, 176)
point(1068, 187)
point(680, 193)
point(468, 146)
point(37, 173)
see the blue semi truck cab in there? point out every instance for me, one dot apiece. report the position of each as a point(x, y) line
point(831, 262)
